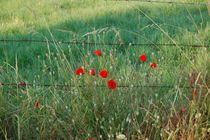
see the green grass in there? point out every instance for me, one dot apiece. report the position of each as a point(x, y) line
point(79, 113)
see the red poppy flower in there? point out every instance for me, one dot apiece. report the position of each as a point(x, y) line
point(90, 139)
point(22, 84)
point(143, 57)
point(153, 65)
point(195, 92)
point(104, 73)
point(36, 104)
point(92, 72)
point(98, 52)
point(184, 109)
point(80, 71)
point(112, 84)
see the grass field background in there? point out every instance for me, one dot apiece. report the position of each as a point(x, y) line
point(102, 113)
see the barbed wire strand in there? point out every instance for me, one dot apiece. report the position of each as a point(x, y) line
point(164, 2)
point(99, 86)
point(108, 44)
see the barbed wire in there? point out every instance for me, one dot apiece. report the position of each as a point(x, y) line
point(166, 2)
point(108, 44)
point(98, 86)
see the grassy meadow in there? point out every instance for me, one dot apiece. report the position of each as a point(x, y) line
point(90, 109)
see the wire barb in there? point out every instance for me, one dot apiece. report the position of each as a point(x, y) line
point(165, 2)
point(108, 44)
point(98, 86)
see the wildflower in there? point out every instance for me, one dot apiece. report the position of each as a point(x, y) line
point(104, 73)
point(36, 104)
point(112, 84)
point(98, 53)
point(198, 115)
point(143, 58)
point(137, 113)
point(121, 137)
point(90, 139)
point(80, 71)
point(92, 72)
point(184, 109)
point(22, 83)
point(153, 65)
point(195, 92)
